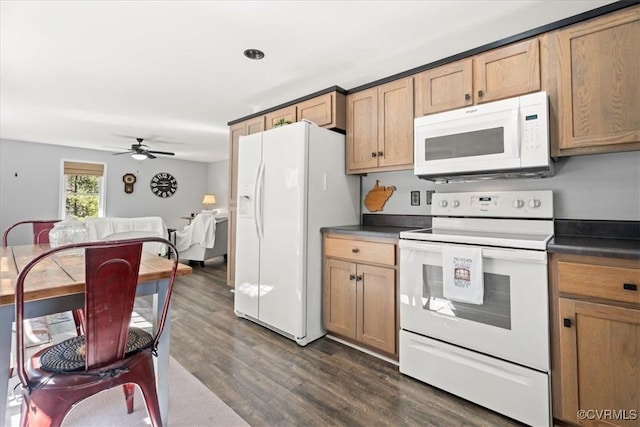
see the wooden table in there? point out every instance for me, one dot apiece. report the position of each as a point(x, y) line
point(59, 286)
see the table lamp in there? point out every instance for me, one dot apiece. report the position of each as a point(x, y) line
point(208, 200)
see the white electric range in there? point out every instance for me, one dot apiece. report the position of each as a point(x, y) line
point(489, 342)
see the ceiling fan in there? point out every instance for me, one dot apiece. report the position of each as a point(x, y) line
point(141, 151)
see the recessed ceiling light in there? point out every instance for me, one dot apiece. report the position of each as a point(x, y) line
point(254, 54)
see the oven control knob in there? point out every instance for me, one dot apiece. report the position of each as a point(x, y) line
point(518, 203)
point(534, 203)
point(443, 203)
point(455, 203)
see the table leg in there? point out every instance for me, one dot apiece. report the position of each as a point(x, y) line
point(6, 320)
point(162, 362)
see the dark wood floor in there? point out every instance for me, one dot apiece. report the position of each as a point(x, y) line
point(271, 381)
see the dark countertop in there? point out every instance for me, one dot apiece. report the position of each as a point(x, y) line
point(615, 239)
point(379, 225)
point(368, 230)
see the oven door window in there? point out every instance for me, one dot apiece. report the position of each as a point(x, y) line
point(495, 311)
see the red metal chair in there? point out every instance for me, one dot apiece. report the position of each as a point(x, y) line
point(40, 230)
point(111, 353)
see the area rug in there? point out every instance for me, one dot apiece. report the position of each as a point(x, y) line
point(191, 404)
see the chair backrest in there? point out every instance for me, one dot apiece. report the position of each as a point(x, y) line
point(40, 230)
point(111, 277)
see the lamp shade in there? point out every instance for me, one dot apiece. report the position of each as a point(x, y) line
point(209, 199)
point(138, 156)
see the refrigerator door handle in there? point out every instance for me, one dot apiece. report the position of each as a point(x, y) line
point(258, 201)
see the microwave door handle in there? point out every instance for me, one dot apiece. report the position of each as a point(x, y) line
point(518, 119)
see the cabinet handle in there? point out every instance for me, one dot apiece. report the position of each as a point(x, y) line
point(358, 278)
point(566, 322)
point(630, 286)
point(480, 93)
point(352, 277)
point(373, 154)
point(467, 97)
point(355, 250)
point(380, 153)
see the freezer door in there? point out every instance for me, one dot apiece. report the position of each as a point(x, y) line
point(247, 238)
point(283, 222)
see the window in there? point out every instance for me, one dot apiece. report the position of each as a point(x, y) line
point(82, 190)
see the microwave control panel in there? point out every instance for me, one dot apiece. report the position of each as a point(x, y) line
point(534, 128)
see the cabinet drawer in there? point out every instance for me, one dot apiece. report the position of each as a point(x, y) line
point(358, 250)
point(613, 283)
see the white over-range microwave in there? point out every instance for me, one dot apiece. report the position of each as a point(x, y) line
point(501, 139)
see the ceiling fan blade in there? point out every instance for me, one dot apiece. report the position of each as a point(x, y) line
point(149, 155)
point(166, 153)
point(124, 152)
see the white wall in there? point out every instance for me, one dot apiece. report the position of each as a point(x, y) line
point(219, 182)
point(30, 180)
point(599, 186)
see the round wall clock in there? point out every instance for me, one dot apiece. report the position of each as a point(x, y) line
point(163, 184)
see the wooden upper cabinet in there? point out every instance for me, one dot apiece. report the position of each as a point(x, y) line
point(444, 88)
point(254, 125)
point(500, 73)
point(362, 130)
point(395, 123)
point(508, 71)
point(598, 84)
point(326, 111)
point(289, 114)
point(380, 128)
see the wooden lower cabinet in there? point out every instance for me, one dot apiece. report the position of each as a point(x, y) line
point(600, 359)
point(595, 309)
point(360, 300)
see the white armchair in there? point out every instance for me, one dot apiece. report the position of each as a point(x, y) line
point(204, 238)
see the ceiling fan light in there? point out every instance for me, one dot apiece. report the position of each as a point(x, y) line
point(138, 156)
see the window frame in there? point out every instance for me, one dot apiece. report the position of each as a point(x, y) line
point(102, 187)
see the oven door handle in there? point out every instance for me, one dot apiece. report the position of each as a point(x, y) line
point(525, 255)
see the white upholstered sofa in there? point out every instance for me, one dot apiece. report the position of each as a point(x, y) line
point(204, 238)
point(113, 228)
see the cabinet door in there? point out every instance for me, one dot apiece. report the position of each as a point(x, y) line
point(509, 71)
point(377, 307)
point(395, 123)
point(231, 248)
point(318, 110)
point(235, 132)
point(362, 130)
point(444, 88)
point(254, 125)
point(599, 351)
point(339, 297)
point(599, 82)
point(287, 114)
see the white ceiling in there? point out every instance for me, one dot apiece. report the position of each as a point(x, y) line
point(89, 73)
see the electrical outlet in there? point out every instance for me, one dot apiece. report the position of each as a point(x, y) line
point(429, 196)
point(415, 198)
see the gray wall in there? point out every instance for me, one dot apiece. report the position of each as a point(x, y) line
point(219, 182)
point(30, 179)
point(599, 186)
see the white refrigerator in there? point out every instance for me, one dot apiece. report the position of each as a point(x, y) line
point(291, 182)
